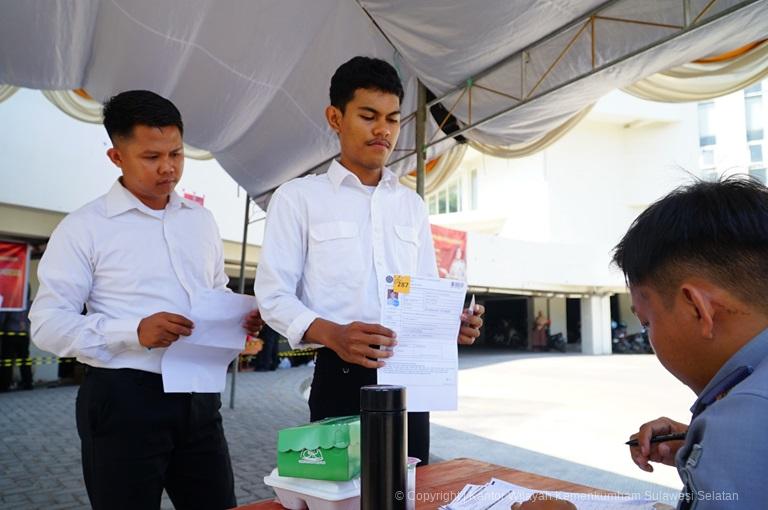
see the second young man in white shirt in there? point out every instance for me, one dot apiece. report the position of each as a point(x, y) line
point(331, 239)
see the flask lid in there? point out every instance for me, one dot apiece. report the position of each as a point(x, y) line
point(382, 397)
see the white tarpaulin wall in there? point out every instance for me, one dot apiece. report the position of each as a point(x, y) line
point(251, 77)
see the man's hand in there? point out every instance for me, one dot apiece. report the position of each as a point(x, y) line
point(470, 325)
point(664, 452)
point(252, 323)
point(162, 329)
point(543, 502)
point(354, 342)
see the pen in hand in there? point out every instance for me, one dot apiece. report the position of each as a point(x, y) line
point(471, 309)
point(659, 439)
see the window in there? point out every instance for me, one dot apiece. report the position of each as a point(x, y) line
point(442, 205)
point(753, 107)
point(458, 195)
point(454, 197)
point(758, 173)
point(706, 124)
point(432, 203)
point(755, 153)
point(707, 158)
point(754, 111)
point(473, 189)
point(707, 140)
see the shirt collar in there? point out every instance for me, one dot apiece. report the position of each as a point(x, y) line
point(337, 174)
point(120, 200)
point(736, 369)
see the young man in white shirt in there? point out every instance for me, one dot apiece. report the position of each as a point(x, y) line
point(330, 241)
point(133, 258)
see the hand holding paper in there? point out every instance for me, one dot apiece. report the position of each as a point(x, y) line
point(424, 313)
point(198, 363)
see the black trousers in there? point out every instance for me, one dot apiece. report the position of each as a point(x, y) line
point(138, 440)
point(336, 392)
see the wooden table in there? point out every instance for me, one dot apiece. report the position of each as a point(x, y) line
point(438, 484)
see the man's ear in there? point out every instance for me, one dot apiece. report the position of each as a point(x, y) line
point(115, 157)
point(333, 115)
point(701, 306)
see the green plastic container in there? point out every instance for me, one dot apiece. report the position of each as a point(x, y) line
point(323, 450)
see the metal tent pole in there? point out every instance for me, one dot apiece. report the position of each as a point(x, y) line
point(421, 130)
point(241, 290)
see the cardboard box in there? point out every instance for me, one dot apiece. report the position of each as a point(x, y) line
point(323, 450)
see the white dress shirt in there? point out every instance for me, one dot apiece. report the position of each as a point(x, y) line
point(123, 261)
point(330, 241)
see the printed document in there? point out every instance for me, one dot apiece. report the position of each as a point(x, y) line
point(500, 495)
point(198, 363)
point(425, 315)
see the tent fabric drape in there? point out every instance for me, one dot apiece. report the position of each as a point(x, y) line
point(253, 88)
point(450, 161)
point(700, 81)
point(442, 172)
point(7, 91)
point(526, 149)
point(89, 110)
point(75, 105)
point(195, 153)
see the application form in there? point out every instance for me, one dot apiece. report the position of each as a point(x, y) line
point(425, 315)
point(500, 495)
point(198, 363)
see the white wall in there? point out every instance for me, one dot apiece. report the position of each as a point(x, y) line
point(554, 217)
point(495, 261)
point(51, 161)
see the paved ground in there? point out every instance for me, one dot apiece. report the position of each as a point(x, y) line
point(561, 415)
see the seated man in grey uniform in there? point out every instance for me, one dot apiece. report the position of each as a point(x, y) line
point(696, 263)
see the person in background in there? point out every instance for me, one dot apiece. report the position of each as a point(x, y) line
point(540, 326)
point(267, 359)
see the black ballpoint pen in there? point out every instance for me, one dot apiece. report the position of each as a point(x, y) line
point(659, 439)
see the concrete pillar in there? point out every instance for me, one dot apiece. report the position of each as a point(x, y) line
point(627, 317)
point(596, 325)
point(557, 316)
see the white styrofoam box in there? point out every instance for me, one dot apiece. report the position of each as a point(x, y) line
point(302, 493)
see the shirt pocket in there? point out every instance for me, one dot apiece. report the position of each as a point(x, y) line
point(335, 256)
point(407, 249)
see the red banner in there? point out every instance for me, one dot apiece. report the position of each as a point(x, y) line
point(451, 252)
point(190, 195)
point(14, 265)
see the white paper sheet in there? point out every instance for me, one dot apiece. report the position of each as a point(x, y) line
point(499, 495)
point(198, 363)
point(425, 315)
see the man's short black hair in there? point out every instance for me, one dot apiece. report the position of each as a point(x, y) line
point(363, 73)
point(139, 107)
point(717, 230)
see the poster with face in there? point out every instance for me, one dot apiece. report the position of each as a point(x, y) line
point(14, 273)
point(450, 252)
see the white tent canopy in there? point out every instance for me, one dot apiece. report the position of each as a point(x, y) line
point(251, 77)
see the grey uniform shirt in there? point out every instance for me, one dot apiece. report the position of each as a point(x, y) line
point(724, 461)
